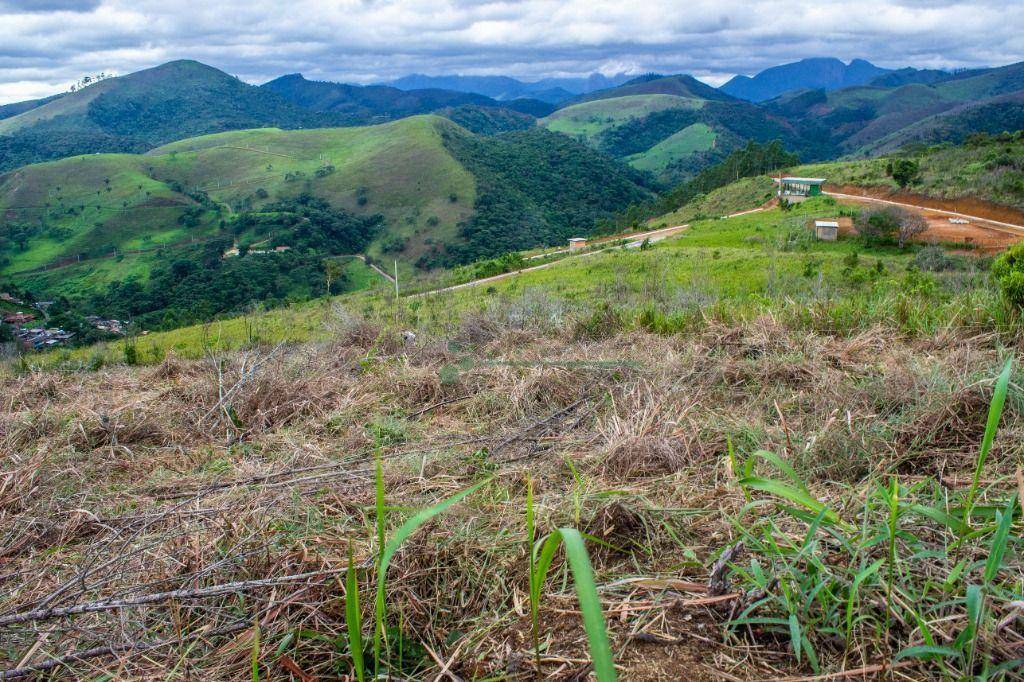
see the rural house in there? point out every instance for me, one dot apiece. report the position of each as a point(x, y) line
point(18, 318)
point(795, 189)
point(577, 243)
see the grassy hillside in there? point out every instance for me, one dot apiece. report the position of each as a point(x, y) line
point(143, 109)
point(434, 193)
point(672, 127)
point(590, 119)
point(808, 415)
point(987, 167)
point(91, 205)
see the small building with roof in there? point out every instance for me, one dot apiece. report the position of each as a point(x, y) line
point(795, 189)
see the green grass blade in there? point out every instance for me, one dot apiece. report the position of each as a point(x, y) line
point(590, 604)
point(381, 522)
point(939, 516)
point(995, 412)
point(254, 657)
point(783, 466)
point(858, 580)
point(381, 513)
point(794, 635)
point(531, 549)
point(543, 563)
point(354, 619)
point(999, 540)
point(794, 495)
point(927, 652)
point(401, 535)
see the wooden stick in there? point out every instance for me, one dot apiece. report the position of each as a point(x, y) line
point(198, 593)
point(25, 671)
point(856, 672)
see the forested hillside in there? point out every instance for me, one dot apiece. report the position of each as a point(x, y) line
point(673, 127)
point(360, 104)
point(422, 190)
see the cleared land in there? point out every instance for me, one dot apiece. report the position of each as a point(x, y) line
point(218, 493)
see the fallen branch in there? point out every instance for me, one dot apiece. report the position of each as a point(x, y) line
point(96, 652)
point(198, 593)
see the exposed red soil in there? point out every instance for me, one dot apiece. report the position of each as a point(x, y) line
point(969, 205)
point(978, 233)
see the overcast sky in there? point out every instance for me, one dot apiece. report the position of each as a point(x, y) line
point(47, 44)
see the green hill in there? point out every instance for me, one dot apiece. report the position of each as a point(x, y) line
point(672, 126)
point(181, 99)
point(876, 119)
point(138, 111)
point(440, 195)
point(985, 166)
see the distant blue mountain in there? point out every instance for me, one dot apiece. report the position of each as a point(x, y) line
point(552, 90)
point(824, 73)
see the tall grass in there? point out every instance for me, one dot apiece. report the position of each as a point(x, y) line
point(889, 577)
point(583, 579)
point(386, 550)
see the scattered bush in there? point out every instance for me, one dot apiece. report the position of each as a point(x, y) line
point(889, 225)
point(1008, 271)
point(934, 258)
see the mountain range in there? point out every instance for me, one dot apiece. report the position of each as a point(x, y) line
point(141, 110)
point(824, 73)
point(502, 88)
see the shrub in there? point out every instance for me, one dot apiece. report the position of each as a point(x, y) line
point(1008, 271)
point(889, 225)
point(905, 171)
point(935, 259)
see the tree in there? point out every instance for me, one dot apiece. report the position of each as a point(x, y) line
point(889, 225)
point(1008, 271)
point(905, 171)
point(911, 225)
point(333, 271)
point(877, 226)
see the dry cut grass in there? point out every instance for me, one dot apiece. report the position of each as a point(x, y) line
point(194, 520)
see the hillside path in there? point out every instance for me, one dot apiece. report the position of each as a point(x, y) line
point(636, 241)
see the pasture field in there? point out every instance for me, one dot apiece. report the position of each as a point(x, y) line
point(698, 137)
point(96, 205)
point(588, 119)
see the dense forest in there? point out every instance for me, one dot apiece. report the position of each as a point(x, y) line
point(197, 283)
point(753, 159)
point(534, 187)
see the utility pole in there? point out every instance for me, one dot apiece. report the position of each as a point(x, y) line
point(396, 280)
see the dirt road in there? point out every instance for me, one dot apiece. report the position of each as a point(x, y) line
point(635, 241)
point(985, 234)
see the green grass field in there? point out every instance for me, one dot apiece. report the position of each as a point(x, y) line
point(698, 137)
point(589, 119)
point(736, 268)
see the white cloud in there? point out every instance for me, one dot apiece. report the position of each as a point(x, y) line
point(46, 44)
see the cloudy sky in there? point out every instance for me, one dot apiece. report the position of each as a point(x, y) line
point(47, 44)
